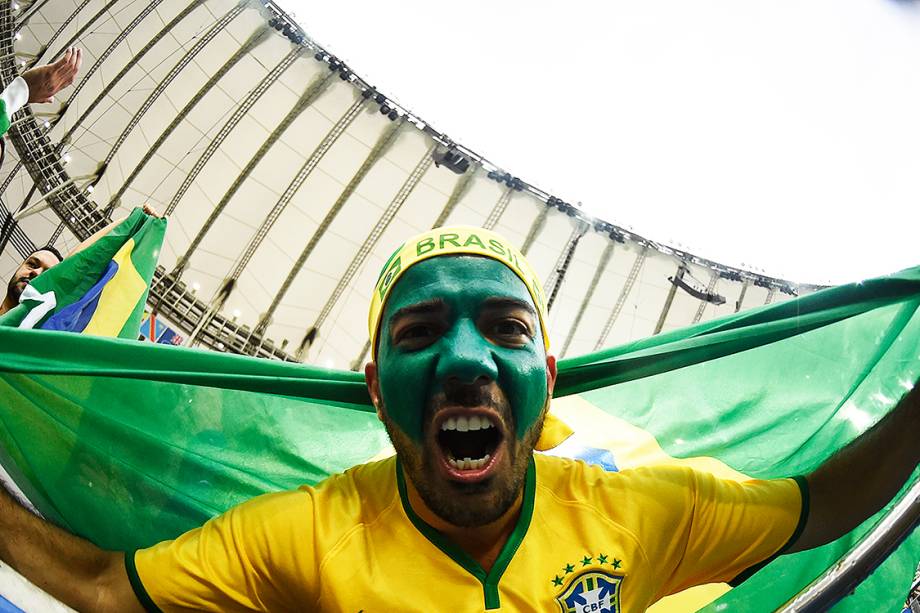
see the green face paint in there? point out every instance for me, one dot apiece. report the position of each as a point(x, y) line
point(448, 322)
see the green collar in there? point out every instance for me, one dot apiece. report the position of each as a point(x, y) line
point(488, 580)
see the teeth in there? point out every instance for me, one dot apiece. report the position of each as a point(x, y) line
point(465, 424)
point(468, 463)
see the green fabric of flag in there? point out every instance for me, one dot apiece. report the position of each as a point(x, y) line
point(4, 118)
point(102, 289)
point(130, 443)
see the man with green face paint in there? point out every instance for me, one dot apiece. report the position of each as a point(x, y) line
point(467, 427)
point(466, 517)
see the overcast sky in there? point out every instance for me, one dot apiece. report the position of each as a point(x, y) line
point(773, 135)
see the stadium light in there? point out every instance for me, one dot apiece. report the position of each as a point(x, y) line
point(453, 160)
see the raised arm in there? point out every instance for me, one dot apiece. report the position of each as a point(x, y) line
point(46, 81)
point(69, 568)
point(864, 476)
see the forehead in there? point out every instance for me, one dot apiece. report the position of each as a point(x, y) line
point(46, 258)
point(455, 279)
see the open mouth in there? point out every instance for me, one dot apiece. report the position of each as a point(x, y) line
point(468, 442)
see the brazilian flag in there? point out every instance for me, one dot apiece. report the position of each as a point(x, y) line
point(102, 289)
point(131, 443)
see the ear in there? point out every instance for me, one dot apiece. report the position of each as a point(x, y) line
point(550, 374)
point(373, 387)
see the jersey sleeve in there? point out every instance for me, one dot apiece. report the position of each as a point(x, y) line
point(257, 556)
point(730, 529)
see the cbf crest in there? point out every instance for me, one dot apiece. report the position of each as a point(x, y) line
point(592, 591)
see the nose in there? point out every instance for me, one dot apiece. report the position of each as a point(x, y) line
point(33, 272)
point(465, 356)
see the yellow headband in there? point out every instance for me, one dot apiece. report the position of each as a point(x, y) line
point(453, 240)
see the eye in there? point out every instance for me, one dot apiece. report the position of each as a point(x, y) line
point(417, 331)
point(510, 331)
point(416, 335)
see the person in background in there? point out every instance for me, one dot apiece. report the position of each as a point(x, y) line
point(36, 85)
point(46, 257)
point(38, 262)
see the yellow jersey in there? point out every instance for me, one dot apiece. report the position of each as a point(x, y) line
point(587, 541)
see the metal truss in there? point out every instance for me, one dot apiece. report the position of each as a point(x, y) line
point(253, 41)
point(59, 190)
point(37, 154)
point(678, 276)
point(85, 77)
point(294, 186)
point(125, 69)
point(67, 196)
point(11, 233)
point(165, 82)
point(56, 234)
point(179, 304)
point(83, 218)
point(624, 295)
point(29, 13)
point(535, 228)
point(67, 22)
point(309, 96)
point(379, 149)
point(771, 293)
point(254, 95)
point(358, 361)
point(498, 210)
point(10, 177)
point(9, 229)
point(14, 226)
point(740, 301)
point(217, 302)
point(371, 241)
point(713, 281)
point(557, 276)
point(460, 188)
point(592, 287)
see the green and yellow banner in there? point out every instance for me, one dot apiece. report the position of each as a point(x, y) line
point(129, 443)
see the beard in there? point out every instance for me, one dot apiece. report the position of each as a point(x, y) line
point(13, 291)
point(466, 505)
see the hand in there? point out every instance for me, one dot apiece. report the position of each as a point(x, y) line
point(45, 81)
point(151, 211)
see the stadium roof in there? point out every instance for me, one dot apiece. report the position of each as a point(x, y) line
point(289, 180)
